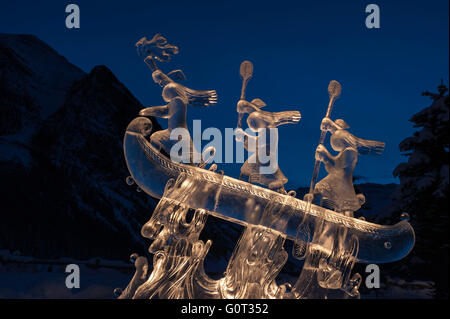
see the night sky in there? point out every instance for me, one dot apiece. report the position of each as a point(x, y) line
point(296, 47)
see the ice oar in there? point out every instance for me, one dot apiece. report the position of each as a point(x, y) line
point(246, 72)
point(299, 249)
point(334, 91)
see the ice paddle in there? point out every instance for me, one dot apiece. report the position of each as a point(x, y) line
point(334, 91)
point(300, 247)
point(246, 72)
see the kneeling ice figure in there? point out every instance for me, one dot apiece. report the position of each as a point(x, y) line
point(265, 125)
point(336, 188)
point(178, 97)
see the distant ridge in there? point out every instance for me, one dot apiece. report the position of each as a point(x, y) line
point(62, 168)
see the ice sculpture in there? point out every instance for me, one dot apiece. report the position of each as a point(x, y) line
point(331, 240)
point(178, 254)
point(176, 95)
point(336, 189)
point(259, 255)
point(264, 124)
point(332, 252)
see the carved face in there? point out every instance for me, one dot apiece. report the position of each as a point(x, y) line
point(173, 90)
point(160, 78)
point(246, 107)
point(141, 125)
point(256, 120)
point(340, 140)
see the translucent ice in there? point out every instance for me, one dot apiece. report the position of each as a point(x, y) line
point(330, 241)
point(265, 142)
point(336, 189)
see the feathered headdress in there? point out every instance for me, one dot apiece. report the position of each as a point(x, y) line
point(159, 49)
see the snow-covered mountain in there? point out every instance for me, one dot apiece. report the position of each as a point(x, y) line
point(62, 165)
point(63, 172)
point(34, 80)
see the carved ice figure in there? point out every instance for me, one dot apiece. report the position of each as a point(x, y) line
point(336, 188)
point(265, 143)
point(176, 95)
point(262, 166)
point(259, 255)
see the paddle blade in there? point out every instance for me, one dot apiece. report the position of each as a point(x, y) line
point(246, 70)
point(334, 89)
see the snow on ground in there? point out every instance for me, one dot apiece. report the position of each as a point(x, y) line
point(27, 277)
point(396, 288)
point(49, 282)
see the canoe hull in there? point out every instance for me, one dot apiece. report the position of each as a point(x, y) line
point(244, 203)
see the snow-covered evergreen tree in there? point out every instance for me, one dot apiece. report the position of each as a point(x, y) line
point(424, 180)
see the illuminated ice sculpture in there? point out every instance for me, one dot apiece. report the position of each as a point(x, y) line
point(329, 239)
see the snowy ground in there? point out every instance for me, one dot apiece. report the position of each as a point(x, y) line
point(25, 277)
point(394, 288)
point(95, 284)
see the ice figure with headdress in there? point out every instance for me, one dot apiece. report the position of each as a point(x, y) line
point(259, 255)
point(336, 189)
point(177, 97)
point(262, 166)
point(332, 252)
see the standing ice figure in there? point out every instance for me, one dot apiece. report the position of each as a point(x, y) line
point(176, 95)
point(336, 189)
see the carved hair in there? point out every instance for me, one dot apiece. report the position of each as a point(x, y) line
point(342, 138)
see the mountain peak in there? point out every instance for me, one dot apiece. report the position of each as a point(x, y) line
point(103, 74)
point(100, 93)
point(61, 133)
point(29, 67)
point(30, 47)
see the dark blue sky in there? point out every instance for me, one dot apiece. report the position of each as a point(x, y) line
point(296, 47)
